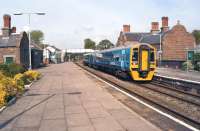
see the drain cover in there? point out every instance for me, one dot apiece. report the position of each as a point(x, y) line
point(74, 93)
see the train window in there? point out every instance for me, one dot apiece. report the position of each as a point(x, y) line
point(152, 57)
point(117, 59)
point(135, 54)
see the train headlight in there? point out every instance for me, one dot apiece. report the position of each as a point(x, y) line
point(135, 63)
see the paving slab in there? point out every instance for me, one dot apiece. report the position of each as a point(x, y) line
point(82, 128)
point(68, 99)
point(78, 120)
point(53, 125)
point(54, 114)
point(107, 124)
point(74, 109)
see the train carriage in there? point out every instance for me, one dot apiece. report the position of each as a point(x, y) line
point(138, 61)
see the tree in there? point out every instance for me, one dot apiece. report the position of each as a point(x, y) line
point(196, 34)
point(105, 44)
point(89, 44)
point(37, 36)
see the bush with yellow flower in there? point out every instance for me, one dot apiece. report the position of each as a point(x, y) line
point(14, 86)
point(3, 95)
point(32, 75)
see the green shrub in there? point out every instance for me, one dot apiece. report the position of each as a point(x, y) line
point(4, 69)
point(185, 64)
point(197, 66)
point(196, 61)
point(11, 70)
point(197, 57)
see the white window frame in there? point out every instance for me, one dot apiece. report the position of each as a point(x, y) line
point(5, 56)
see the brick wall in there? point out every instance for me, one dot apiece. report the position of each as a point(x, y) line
point(175, 42)
point(9, 51)
point(120, 40)
point(20, 51)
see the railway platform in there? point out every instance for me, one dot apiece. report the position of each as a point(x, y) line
point(177, 73)
point(68, 99)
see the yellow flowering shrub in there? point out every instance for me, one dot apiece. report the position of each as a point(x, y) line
point(20, 80)
point(18, 76)
point(1, 75)
point(3, 95)
point(10, 85)
point(32, 75)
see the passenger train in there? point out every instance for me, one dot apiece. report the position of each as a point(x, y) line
point(137, 61)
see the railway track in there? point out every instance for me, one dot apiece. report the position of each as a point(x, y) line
point(192, 87)
point(177, 94)
point(172, 88)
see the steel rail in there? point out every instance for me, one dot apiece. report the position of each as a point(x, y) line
point(165, 85)
point(164, 108)
point(173, 96)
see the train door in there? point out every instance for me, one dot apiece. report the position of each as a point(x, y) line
point(144, 60)
point(123, 59)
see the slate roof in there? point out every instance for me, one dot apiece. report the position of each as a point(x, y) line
point(10, 41)
point(144, 37)
point(151, 39)
point(130, 36)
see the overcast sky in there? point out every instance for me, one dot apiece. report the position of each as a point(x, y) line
point(68, 22)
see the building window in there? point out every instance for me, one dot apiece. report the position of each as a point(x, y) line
point(9, 59)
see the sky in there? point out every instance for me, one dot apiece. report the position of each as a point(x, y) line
point(68, 22)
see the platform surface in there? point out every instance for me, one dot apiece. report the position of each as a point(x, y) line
point(67, 99)
point(177, 73)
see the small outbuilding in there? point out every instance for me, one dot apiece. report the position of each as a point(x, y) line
point(52, 55)
point(14, 48)
point(36, 56)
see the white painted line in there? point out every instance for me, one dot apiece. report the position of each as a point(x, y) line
point(149, 106)
point(2, 108)
point(174, 78)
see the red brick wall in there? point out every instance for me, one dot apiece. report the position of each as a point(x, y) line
point(175, 42)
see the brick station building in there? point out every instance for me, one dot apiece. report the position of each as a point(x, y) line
point(14, 48)
point(173, 42)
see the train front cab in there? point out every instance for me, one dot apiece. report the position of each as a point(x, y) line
point(142, 62)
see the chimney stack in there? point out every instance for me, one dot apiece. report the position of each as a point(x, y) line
point(126, 28)
point(165, 26)
point(7, 21)
point(6, 30)
point(154, 27)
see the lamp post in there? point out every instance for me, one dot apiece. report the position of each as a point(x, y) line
point(29, 33)
point(187, 62)
point(160, 51)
